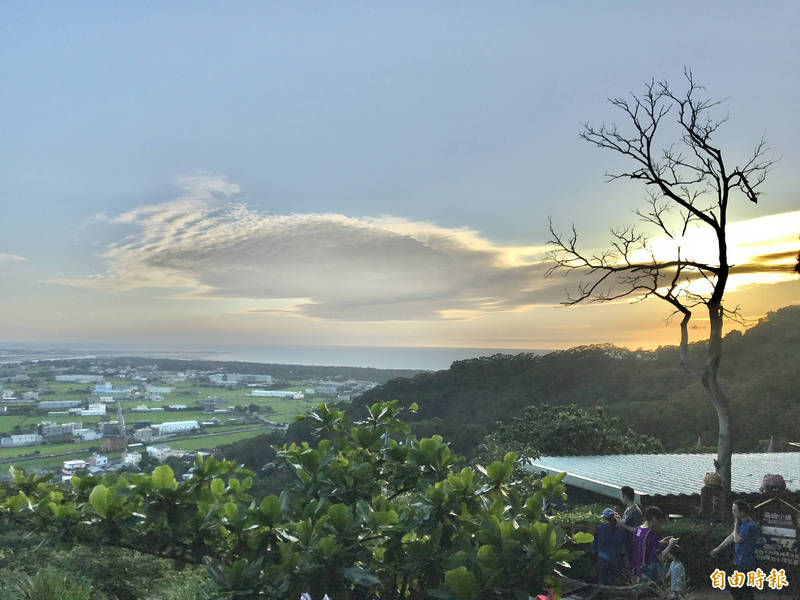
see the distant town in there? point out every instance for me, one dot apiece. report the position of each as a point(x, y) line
point(110, 414)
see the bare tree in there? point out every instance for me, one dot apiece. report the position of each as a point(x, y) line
point(689, 186)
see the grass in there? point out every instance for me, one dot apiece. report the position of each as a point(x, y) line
point(11, 452)
point(209, 443)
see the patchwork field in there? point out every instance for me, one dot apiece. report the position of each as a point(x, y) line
point(280, 410)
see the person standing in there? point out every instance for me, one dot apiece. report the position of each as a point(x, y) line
point(607, 545)
point(631, 518)
point(649, 551)
point(743, 537)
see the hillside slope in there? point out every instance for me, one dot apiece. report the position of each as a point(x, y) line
point(649, 391)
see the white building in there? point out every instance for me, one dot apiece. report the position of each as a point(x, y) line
point(24, 439)
point(160, 453)
point(276, 394)
point(98, 460)
point(70, 467)
point(145, 434)
point(155, 389)
point(232, 379)
point(87, 435)
point(56, 404)
point(145, 408)
point(95, 409)
point(131, 458)
point(176, 426)
point(78, 378)
point(48, 429)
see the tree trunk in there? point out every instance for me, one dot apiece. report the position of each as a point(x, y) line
point(721, 405)
point(708, 377)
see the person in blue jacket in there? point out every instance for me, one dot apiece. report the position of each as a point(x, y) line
point(608, 546)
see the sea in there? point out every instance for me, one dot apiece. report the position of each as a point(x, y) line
point(379, 357)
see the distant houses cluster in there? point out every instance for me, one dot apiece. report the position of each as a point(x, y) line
point(109, 391)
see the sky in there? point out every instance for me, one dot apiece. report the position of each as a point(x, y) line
point(365, 174)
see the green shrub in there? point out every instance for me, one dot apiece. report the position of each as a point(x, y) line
point(697, 539)
point(584, 517)
point(46, 584)
point(369, 511)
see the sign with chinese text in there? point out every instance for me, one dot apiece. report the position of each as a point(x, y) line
point(779, 541)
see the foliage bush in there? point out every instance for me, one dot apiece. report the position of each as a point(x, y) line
point(697, 539)
point(23, 554)
point(370, 510)
point(48, 583)
point(568, 431)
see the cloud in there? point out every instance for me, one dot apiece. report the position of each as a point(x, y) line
point(205, 245)
point(761, 251)
point(10, 258)
point(326, 266)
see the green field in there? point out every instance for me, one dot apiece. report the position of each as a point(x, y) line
point(208, 443)
point(283, 411)
point(10, 452)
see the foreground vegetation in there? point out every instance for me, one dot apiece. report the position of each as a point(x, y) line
point(369, 510)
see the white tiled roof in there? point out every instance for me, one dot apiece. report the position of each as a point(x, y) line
point(665, 474)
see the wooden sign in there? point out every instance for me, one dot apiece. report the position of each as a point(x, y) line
point(779, 541)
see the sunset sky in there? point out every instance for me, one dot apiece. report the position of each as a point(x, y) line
point(360, 173)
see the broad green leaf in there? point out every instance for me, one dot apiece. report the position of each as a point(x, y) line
point(217, 487)
point(340, 516)
point(462, 582)
point(582, 537)
point(98, 499)
point(328, 545)
point(163, 478)
point(231, 510)
point(497, 471)
point(271, 507)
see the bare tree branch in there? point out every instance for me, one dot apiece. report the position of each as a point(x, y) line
point(688, 183)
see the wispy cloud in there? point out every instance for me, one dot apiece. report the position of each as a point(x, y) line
point(10, 258)
point(205, 245)
point(327, 266)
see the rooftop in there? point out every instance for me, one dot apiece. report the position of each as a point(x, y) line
point(668, 474)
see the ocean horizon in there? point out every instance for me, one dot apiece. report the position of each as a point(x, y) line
point(379, 357)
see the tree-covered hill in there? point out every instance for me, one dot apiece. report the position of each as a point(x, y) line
point(278, 371)
point(647, 390)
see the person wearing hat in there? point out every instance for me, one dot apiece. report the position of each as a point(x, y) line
point(607, 545)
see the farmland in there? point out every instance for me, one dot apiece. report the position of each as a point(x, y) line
point(150, 399)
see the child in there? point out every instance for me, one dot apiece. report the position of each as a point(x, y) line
point(676, 573)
